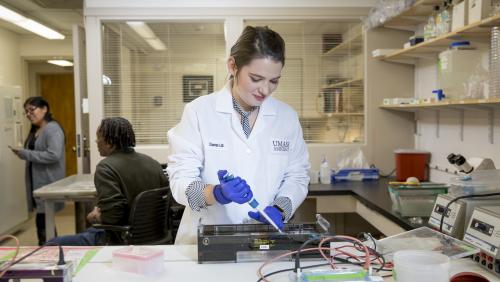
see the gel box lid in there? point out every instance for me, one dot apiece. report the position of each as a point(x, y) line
point(137, 253)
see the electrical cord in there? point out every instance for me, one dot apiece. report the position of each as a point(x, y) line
point(290, 269)
point(367, 234)
point(357, 245)
point(297, 256)
point(346, 261)
point(372, 252)
point(346, 239)
point(11, 262)
point(382, 174)
point(360, 263)
point(59, 262)
point(458, 198)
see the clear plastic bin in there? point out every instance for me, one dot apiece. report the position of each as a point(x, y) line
point(479, 182)
point(140, 260)
point(415, 200)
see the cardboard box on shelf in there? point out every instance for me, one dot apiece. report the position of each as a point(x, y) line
point(460, 15)
point(478, 10)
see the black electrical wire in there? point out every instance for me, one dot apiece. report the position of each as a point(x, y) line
point(458, 198)
point(360, 248)
point(297, 255)
point(384, 175)
point(371, 238)
point(290, 269)
point(372, 252)
point(323, 264)
point(355, 243)
point(361, 263)
point(60, 259)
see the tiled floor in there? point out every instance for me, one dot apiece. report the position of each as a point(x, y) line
point(65, 224)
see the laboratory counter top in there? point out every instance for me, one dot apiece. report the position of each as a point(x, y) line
point(373, 194)
point(180, 264)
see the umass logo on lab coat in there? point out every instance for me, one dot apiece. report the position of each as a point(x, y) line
point(281, 145)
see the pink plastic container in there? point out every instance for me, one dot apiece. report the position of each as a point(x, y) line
point(140, 260)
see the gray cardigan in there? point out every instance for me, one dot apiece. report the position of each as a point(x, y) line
point(48, 162)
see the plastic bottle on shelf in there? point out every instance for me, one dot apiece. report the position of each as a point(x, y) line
point(430, 27)
point(455, 66)
point(324, 171)
point(437, 20)
point(445, 24)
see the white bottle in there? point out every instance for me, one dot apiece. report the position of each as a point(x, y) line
point(324, 172)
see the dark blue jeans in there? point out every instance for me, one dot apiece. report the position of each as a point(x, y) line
point(89, 237)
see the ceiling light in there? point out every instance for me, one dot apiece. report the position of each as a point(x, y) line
point(10, 15)
point(142, 29)
point(40, 29)
point(29, 24)
point(147, 34)
point(62, 63)
point(157, 44)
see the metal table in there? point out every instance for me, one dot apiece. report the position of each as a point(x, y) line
point(79, 188)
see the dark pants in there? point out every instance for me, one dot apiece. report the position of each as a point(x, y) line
point(40, 228)
point(89, 237)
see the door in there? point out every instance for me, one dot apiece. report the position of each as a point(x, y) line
point(58, 90)
point(81, 101)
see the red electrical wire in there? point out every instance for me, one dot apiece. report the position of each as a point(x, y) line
point(321, 249)
point(11, 262)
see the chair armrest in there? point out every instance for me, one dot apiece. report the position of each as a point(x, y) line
point(117, 228)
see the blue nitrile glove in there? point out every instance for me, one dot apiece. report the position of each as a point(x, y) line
point(232, 190)
point(272, 212)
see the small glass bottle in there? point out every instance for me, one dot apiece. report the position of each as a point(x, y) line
point(495, 7)
point(431, 25)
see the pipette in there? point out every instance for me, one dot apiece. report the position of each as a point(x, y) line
point(255, 205)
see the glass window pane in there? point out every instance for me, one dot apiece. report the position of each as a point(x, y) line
point(323, 77)
point(152, 69)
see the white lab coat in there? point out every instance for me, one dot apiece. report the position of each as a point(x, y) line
point(273, 160)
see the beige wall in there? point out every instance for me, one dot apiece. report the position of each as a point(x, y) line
point(386, 130)
point(10, 60)
point(32, 46)
point(476, 128)
point(12, 188)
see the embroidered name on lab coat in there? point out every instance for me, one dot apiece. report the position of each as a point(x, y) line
point(280, 146)
point(217, 145)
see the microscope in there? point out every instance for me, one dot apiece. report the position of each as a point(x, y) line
point(468, 166)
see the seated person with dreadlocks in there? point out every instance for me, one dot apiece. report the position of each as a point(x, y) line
point(118, 179)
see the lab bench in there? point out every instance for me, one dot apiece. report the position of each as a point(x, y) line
point(180, 264)
point(369, 199)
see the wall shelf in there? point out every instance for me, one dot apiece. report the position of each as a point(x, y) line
point(326, 116)
point(346, 47)
point(479, 31)
point(356, 81)
point(413, 16)
point(454, 104)
point(489, 105)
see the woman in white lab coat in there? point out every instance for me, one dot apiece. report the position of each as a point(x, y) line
point(244, 130)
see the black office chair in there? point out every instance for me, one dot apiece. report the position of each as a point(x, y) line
point(148, 219)
point(176, 211)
